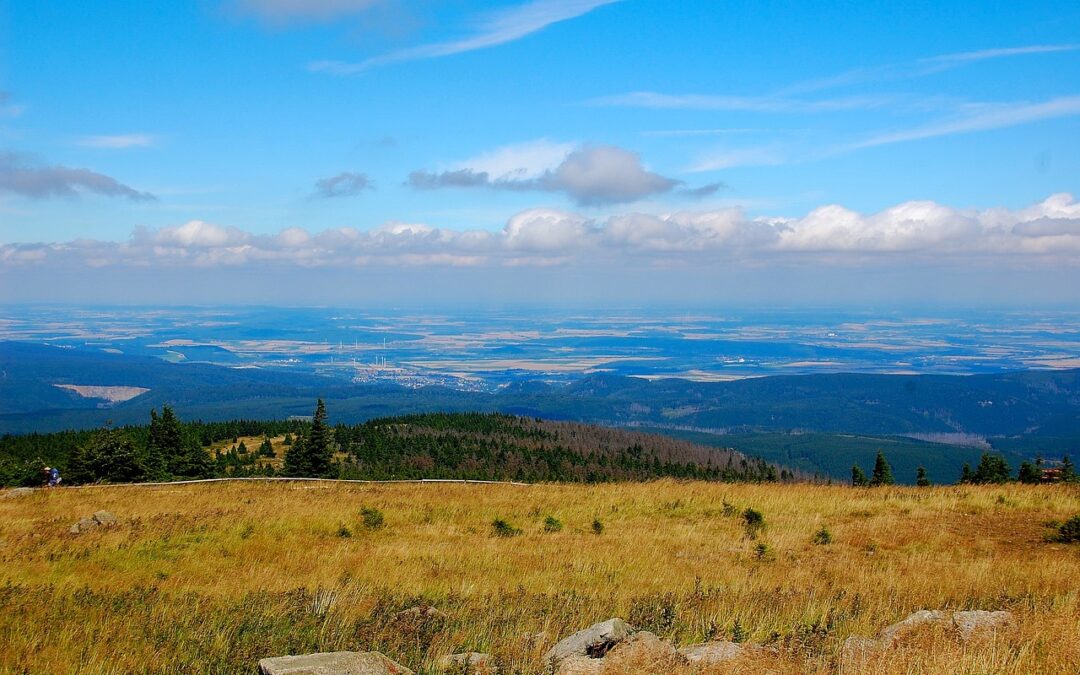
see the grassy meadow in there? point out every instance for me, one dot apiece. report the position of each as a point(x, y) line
point(212, 577)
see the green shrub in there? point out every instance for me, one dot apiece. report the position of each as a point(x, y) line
point(753, 522)
point(823, 537)
point(344, 532)
point(597, 526)
point(1069, 531)
point(761, 551)
point(552, 524)
point(501, 528)
point(371, 517)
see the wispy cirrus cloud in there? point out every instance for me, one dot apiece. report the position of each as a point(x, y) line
point(493, 29)
point(118, 141)
point(23, 176)
point(284, 12)
point(761, 104)
point(979, 118)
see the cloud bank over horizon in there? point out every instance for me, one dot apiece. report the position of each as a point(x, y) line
point(541, 237)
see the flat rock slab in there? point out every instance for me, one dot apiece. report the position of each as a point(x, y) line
point(971, 623)
point(333, 663)
point(593, 642)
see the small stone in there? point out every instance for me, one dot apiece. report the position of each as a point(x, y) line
point(971, 623)
point(421, 613)
point(83, 525)
point(333, 663)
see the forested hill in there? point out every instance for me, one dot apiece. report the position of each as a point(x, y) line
point(486, 446)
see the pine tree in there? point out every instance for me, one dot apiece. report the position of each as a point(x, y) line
point(297, 462)
point(320, 454)
point(882, 471)
point(1068, 471)
point(108, 456)
point(164, 444)
point(858, 478)
point(965, 474)
point(921, 479)
point(1029, 473)
point(992, 469)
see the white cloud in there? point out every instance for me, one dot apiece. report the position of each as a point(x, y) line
point(118, 142)
point(1047, 232)
point(496, 28)
point(591, 175)
point(519, 160)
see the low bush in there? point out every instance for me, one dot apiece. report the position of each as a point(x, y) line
point(501, 528)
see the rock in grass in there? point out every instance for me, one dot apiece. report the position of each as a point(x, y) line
point(332, 663)
point(593, 642)
point(971, 623)
point(580, 665)
point(914, 621)
point(858, 650)
point(104, 518)
point(644, 652)
point(474, 663)
point(421, 613)
point(99, 519)
point(710, 653)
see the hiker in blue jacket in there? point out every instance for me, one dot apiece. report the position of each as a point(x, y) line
point(52, 476)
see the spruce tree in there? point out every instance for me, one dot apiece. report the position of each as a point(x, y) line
point(921, 479)
point(164, 445)
point(108, 456)
point(1068, 471)
point(858, 477)
point(965, 474)
point(297, 464)
point(1029, 473)
point(882, 471)
point(320, 454)
point(992, 469)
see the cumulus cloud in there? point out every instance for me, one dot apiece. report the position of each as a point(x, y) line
point(591, 175)
point(1047, 232)
point(345, 184)
point(19, 175)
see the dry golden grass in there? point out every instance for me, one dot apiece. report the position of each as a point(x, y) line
point(211, 577)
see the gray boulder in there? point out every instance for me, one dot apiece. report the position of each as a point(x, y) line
point(912, 622)
point(104, 518)
point(593, 642)
point(971, 623)
point(99, 519)
point(332, 663)
point(710, 653)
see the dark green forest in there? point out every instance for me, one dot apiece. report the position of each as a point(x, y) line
point(478, 446)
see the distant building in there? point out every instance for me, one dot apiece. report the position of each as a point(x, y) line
point(1051, 475)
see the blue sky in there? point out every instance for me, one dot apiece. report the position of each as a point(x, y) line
point(381, 141)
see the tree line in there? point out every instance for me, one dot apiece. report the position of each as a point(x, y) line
point(992, 469)
point(486, 446)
